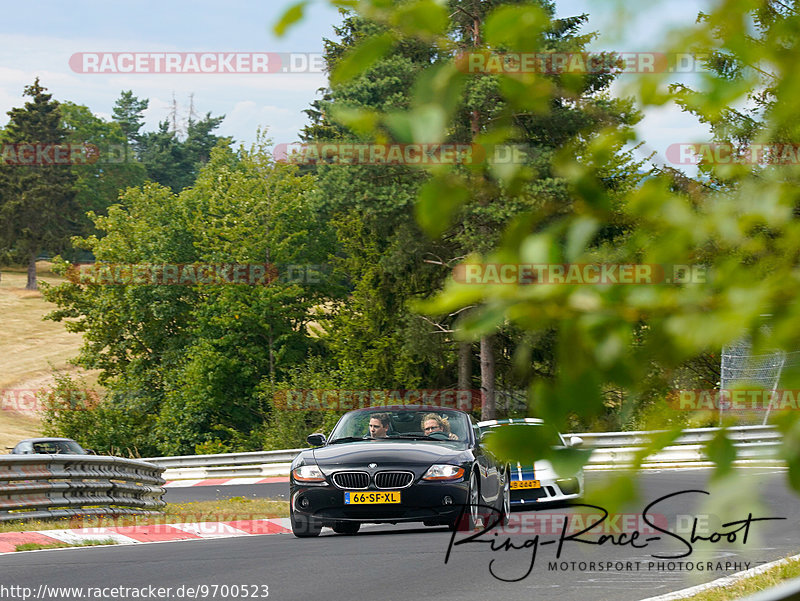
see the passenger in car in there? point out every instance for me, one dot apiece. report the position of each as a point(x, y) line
point(434, 423)
point(379, 425)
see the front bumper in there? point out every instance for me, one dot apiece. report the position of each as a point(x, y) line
point(552, 491)
point(420, 502)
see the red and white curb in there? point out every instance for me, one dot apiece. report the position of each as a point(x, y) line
point(128, 535)
point(226, 481)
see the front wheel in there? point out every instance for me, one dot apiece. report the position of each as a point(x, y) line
point(469, 519)
point(304, 526)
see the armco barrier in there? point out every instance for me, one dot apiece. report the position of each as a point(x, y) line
point(611, 450)
point(52, 486)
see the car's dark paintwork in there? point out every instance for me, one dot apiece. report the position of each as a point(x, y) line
point(421, 501)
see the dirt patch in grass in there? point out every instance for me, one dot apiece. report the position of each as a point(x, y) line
point(31, 349)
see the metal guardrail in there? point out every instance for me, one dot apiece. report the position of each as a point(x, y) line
point(227, 465)
point(618, 449)
point(53, 486)
point(258, 457)
point(611, 450)
point(689, 436)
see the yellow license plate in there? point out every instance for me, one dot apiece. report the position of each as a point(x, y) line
point(525, 484)
point(371, 498)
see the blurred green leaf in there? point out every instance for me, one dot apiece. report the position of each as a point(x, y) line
point(580, 234)
point(362, 57)
point(481, 321)
point(422, 125)
point(516, 28)
point(439, 198)
point(721, 451)
point(290, 16)
point(658, 442)
point(568, 462)
point(424, 18)
point(361, 121)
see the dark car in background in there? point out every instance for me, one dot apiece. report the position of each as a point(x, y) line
point(534, 483)
point(49, 446)
point(410, 474)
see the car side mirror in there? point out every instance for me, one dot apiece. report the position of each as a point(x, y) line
point(575, 441)
point(316, 440)
point(90, 451)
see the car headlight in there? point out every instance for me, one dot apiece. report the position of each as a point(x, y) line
point(308, 473)
point(443, 472)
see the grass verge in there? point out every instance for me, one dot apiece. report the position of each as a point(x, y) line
point(85, 543)
point(31, 349)
point(751, 585)
point(228, 510)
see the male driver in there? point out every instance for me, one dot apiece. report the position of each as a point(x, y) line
point(378, 425)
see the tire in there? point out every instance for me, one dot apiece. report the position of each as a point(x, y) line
point(346, 527)
point(304, 526)
point(500, 515)
point(505, 511)
point(472, 514)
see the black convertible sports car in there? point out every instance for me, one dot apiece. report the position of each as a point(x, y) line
point(397, 464)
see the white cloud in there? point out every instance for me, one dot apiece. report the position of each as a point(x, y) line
point(667, 125)
point(275, 100)
point(247, 116)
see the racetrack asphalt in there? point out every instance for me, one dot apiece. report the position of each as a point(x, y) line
point(407, 562)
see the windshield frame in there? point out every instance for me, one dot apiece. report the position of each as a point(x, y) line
point(407, 429)
point(60, 447)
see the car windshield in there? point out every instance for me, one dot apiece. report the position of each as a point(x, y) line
point(549, 433)
point(55, 447)
point(404, 424)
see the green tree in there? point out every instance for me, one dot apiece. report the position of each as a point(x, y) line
point(174, 162)
point(188, 365)
point(612, 335)
point(38, 210)
point(99, 182)
point(384, 252)
point(127, 112)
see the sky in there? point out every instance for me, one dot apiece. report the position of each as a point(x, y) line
point(39, 38)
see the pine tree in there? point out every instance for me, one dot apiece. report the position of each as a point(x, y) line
point(389, 260)
point(127, 112)
point(38, 211)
